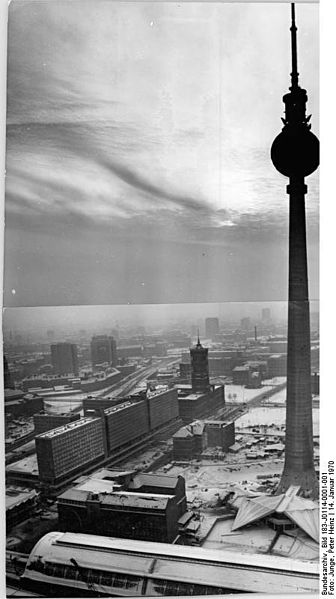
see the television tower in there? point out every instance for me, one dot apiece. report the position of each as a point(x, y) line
point(295, 154)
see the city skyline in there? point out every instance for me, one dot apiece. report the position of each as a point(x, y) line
point(91, 317)
point(98, 209)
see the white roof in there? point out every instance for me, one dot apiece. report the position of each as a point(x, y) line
point(111, 544)
point(176, 562)
point(303, 512)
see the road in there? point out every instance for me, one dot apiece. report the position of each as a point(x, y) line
point(133, 380)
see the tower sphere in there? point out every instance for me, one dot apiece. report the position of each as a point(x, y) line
point(295, 152)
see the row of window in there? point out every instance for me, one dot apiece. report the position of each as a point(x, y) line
point(88, 575)
point(155, 587)
point(170, 588)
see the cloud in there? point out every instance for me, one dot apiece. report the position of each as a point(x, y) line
point(155, 137)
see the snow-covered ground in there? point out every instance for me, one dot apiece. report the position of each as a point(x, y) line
point(277, 380)
point(279, 397)
point(272, 415)
point(239, 394)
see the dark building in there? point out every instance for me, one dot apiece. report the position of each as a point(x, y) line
point(315, 383)
point(18, 403)
point(46, 422)
point(219, 434)
point(125, 423)
point(241, 375)
point(63, 451)
point(189, 441)
point(163, 407)
point(103, 350)
point(211, 327)
point(199, 368)
point(193, 406)
point(277, 365)
point(127, 505)
point(8, 381)
point(64, 358)
point(20, 504)
point(185, 371)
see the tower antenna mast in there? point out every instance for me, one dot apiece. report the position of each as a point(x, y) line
point(294, 73)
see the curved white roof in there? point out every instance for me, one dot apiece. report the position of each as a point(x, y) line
point(175, 562)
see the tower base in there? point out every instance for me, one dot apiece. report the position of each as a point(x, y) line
point(306, 480)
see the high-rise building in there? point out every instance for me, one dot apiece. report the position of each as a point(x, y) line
point(64, 358)
point(63, 451)
point(8, 381)
point(295, 154)
point(211, 327)
point(103, 349)
point(50, 335)
point(199, 368)
point(245, 324)
point(266, 314)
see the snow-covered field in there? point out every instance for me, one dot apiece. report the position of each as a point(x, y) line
point(239, 394)
point(272, 415)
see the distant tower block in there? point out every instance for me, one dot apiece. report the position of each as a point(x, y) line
point(295, 154)
point(265, 314)
point(211, 327)
point(199, 368)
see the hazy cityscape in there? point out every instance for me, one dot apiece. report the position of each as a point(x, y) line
point(161, 344)
point(219, 426)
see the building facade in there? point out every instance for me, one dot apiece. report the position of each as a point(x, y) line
point(64, 358)
point(103, 350)
point(189, 441)
point(219, 434)
point(193, 406)
point(199, 368)
point(64, 450)
point(211, 327)
point(139, 506)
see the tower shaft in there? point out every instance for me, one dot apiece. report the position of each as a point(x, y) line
point(299, 456)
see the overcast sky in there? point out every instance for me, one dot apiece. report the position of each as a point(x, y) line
point(138, 142)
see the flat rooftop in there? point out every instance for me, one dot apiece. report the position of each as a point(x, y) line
point(65, 428)
point(118, 407)
point(17, 495)
point(27, 465)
